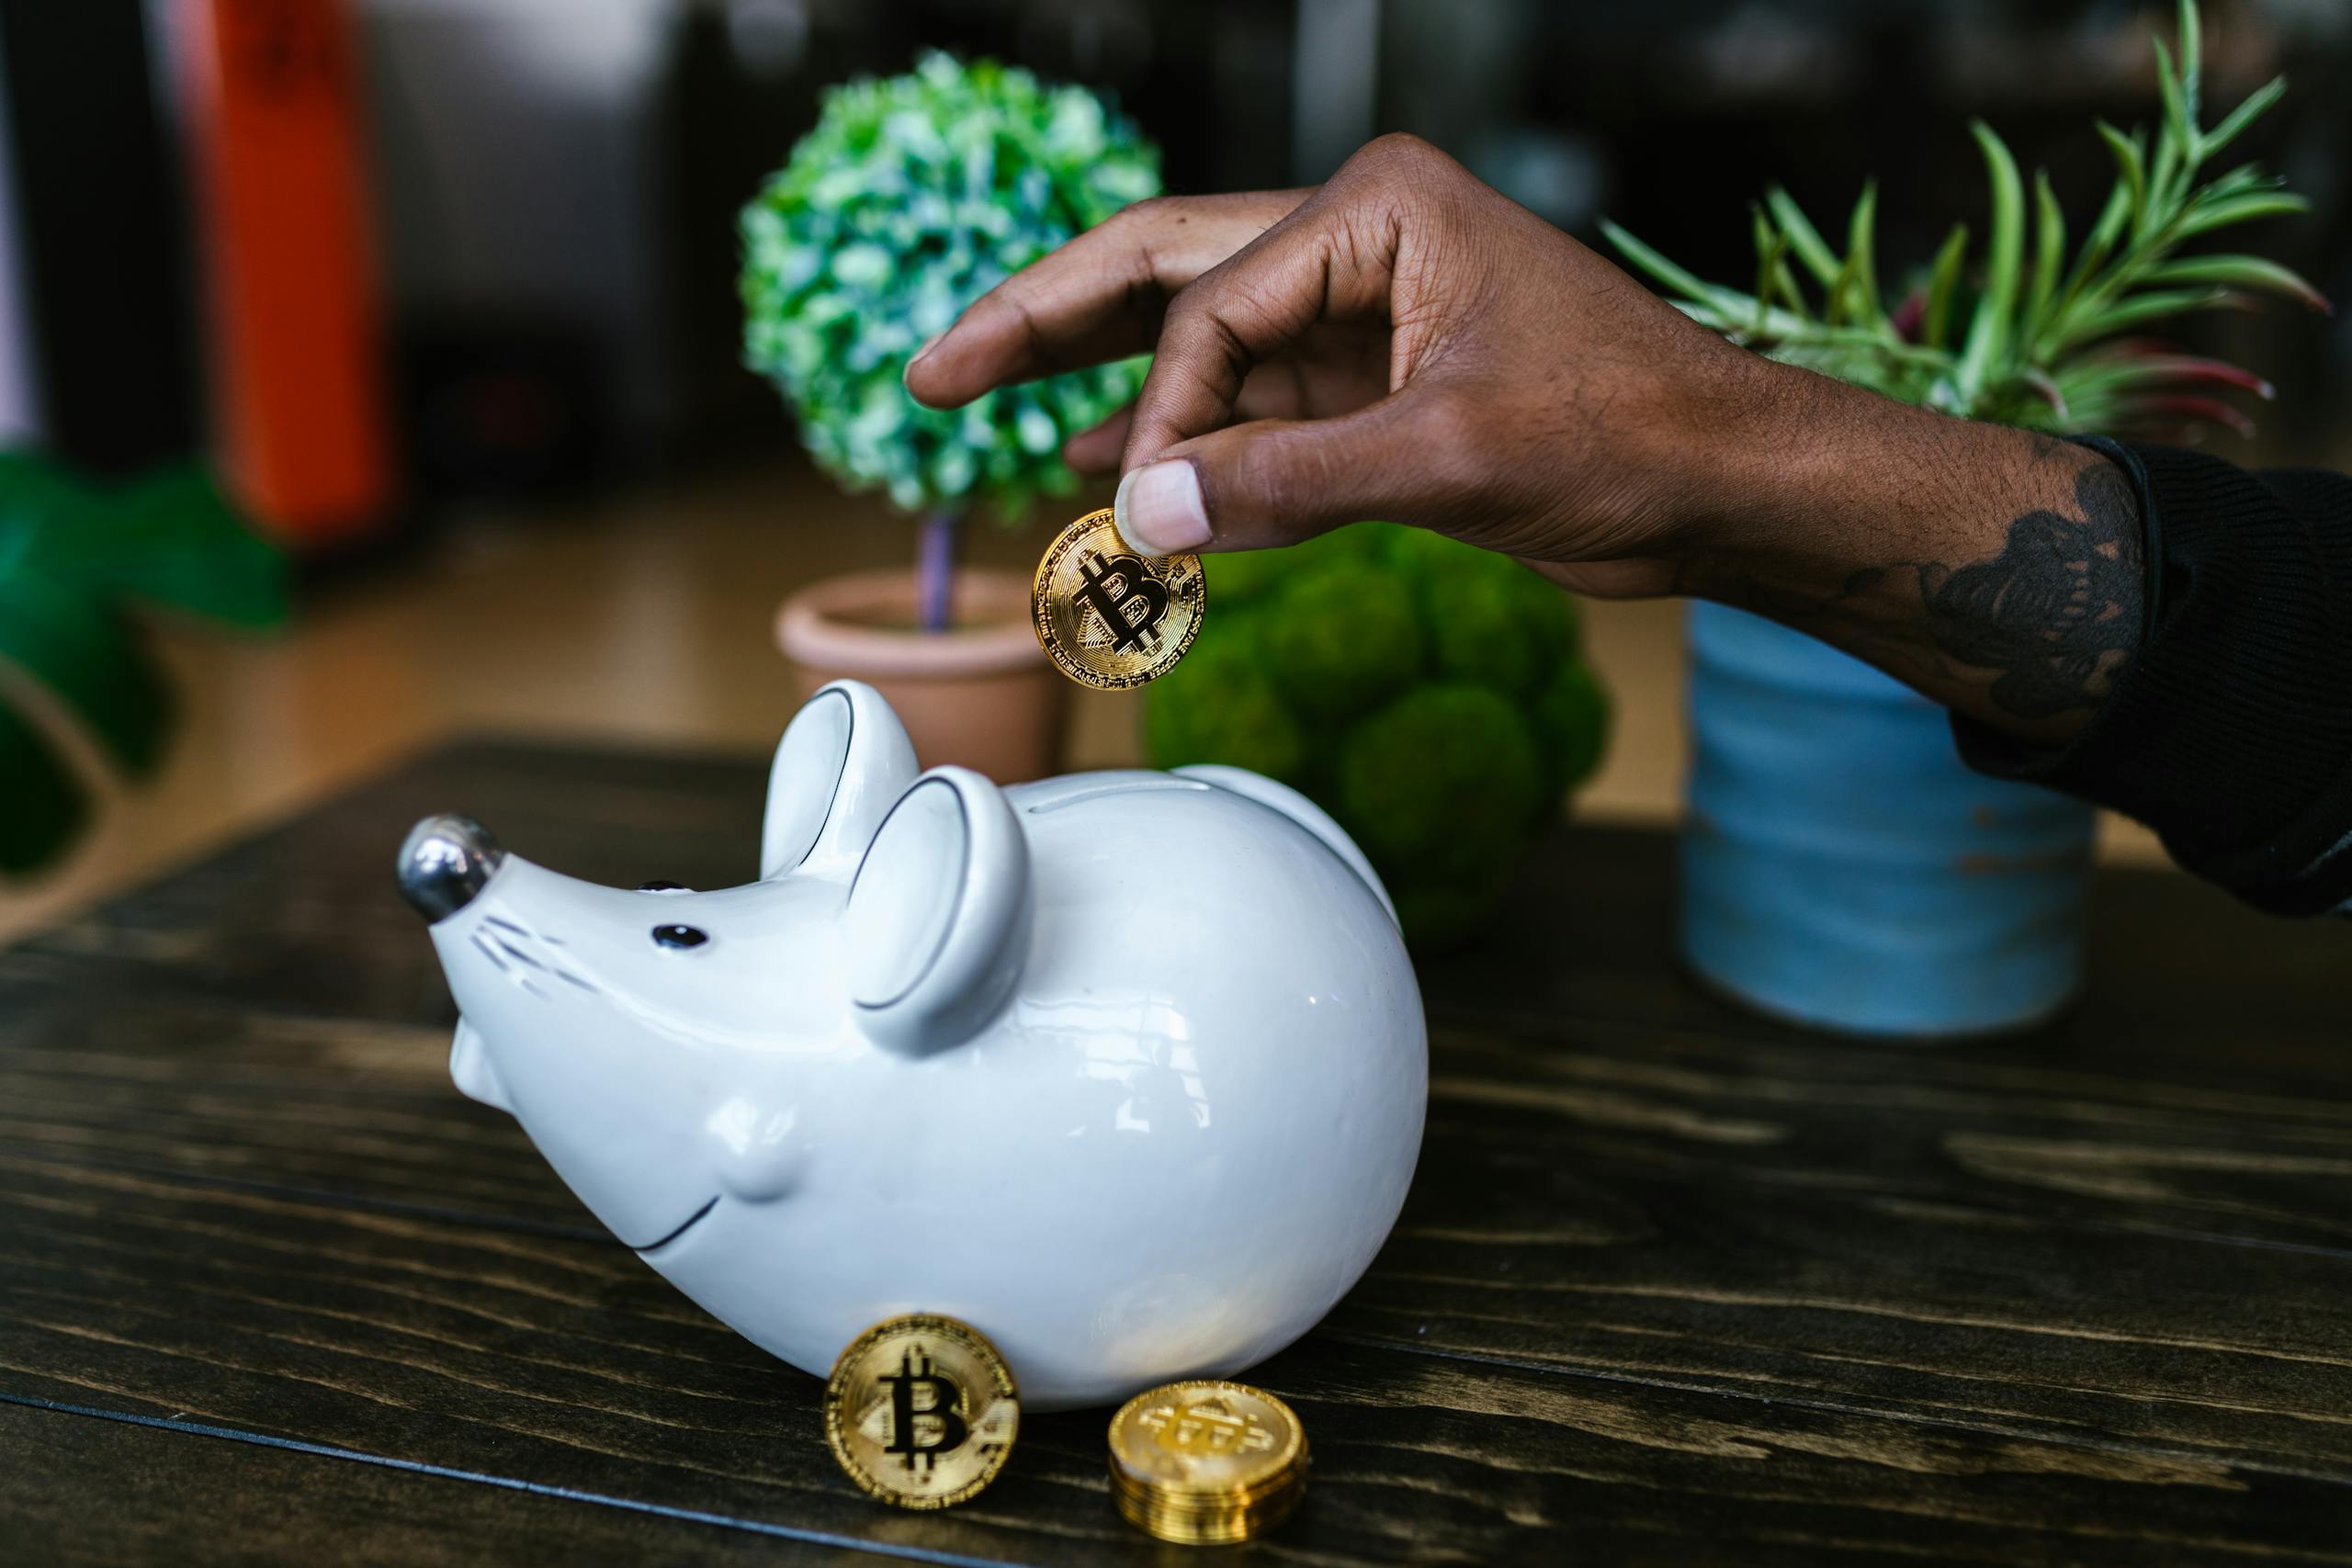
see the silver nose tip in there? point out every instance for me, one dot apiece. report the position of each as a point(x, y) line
point(445, 863)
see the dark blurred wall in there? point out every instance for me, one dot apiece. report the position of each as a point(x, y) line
point(1672, 115)
point(561, 180)
point(100, 338)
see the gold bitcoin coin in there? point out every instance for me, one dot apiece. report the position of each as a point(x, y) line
point(921, 1411)
point(1203, 1463)
point(1109, 618)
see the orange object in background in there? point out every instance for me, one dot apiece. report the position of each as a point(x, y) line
point(281, 215)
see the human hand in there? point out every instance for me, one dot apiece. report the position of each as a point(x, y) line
point(1401, 343)
point(1404, 343)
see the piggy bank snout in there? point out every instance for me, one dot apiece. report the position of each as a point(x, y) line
point(446, 861)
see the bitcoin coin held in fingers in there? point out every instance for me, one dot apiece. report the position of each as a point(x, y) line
point(921, 1411)
point(1109, 618)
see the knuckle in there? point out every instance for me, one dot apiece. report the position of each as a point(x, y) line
point(1451, 428)
point(1400, 151)
point(1143, 214)
point(1188, 313)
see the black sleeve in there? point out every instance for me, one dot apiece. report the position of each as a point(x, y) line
point(2229, 732)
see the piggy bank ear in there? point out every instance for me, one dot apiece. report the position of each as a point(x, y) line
point(843, 760)
point(938, 924)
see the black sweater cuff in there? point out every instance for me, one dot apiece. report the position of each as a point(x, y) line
point(2229, 732)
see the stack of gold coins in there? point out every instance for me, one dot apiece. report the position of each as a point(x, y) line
point(1206, 1463)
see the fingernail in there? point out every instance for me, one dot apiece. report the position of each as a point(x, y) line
point(1158, 510)
point(928, 344)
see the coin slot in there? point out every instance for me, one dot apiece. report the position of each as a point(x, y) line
point(1122, 786)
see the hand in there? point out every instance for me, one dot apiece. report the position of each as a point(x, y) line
point(1405, 344)
point(1402, 342)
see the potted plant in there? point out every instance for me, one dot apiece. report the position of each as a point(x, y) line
point(78, 687)
point(1432, 697)
point(1841, 867)
point(912, 196)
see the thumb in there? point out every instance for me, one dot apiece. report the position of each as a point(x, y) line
point(1277, 481)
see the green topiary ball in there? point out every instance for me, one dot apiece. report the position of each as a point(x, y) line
point(1238, 717)
point(1343, 637)
point(1432, 697)
point(914, 196)
point(1442, 783)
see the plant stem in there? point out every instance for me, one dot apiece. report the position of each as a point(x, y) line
point(934, 570)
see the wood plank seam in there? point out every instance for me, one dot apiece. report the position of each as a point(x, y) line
point(512, 1484)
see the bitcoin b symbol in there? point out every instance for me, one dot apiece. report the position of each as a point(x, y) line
point(1109, 618)
point(910, 1422)
point(921, 1411)
point(1109, 587)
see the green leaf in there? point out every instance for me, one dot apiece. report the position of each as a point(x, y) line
point(1722, 308)
point(2050, 250)
point(2131, 166)
point(1859, 274)
point(2239, 272)
point(1988, 333)
point(1681, 282)
point(1803, 238)
point(2192, 56)
point(2204, 216)
point(2177, 107)
point(2240, 181)
point(2105, 376)
point(1772, 275)
point(1943, 279)
point(2108, 228)
point(2141, 307)
point(92, 662)
point(2101, 239)
point(2257, 105)
point(46, 805)
point(170, 541)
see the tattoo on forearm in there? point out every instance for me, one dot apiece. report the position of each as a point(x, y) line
point(2056, 613)
point(2037, 633)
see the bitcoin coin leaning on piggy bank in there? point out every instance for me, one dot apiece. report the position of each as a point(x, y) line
point(1124, 1069)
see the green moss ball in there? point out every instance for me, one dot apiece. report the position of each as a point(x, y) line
point(1340, 636)
point(1572, 715)
point(1430, 696)
point(1220, 708)
point(1442, 783)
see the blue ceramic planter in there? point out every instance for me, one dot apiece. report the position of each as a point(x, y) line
point(1843, 868)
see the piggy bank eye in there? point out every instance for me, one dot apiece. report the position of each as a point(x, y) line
point(679, 936)
point(663, 887)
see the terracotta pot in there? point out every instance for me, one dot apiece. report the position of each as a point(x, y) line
point(980, 694)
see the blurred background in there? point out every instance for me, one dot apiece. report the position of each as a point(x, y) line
point(445, 290)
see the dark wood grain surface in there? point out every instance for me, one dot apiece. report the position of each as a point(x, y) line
point(1674, 1285)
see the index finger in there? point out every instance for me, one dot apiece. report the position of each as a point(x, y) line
point(1096, 299)
point(1329, 260)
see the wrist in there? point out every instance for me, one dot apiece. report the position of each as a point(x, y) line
point(1996, 571)
point(1800, 482)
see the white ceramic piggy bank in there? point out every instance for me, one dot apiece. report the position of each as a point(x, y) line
point(1127, 1069)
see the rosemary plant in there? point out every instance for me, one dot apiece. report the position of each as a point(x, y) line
point(2048, 342)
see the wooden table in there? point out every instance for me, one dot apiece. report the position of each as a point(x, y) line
point(1673, 1286)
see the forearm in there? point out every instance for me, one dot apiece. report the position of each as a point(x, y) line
point(1997, 571)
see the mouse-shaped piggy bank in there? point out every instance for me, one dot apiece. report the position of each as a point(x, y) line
point(1126, 1070)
